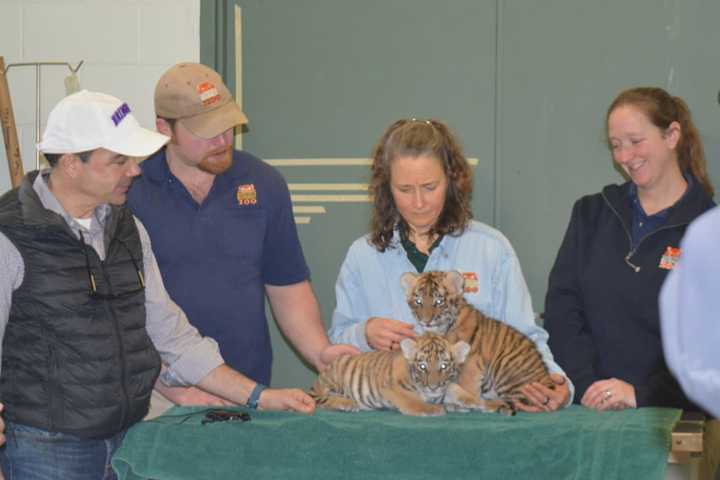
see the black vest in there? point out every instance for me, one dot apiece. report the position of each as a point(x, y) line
point(75, 360)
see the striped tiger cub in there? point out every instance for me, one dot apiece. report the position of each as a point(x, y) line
point(501, 359)
point(412, 380)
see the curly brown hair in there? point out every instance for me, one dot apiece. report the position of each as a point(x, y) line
point(417, 138)
point(662, 109)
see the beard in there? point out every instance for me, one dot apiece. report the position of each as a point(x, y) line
point(217, 162)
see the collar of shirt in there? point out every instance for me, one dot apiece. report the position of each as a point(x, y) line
point(416, 257)
point(157, 170)
point(94, 236)
point(644, 224)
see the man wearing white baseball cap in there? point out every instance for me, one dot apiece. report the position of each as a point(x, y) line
point(84, 317)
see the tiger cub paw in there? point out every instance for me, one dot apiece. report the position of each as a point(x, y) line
point(436, 411)
point(339, 403)
point(506, 410)
point(457, 399)
point(349, 409)
point(423, 411)
point(454, 407)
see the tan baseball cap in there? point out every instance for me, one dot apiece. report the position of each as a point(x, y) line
point(196, 96)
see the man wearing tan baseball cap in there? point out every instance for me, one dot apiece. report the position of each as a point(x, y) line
point(221, 221)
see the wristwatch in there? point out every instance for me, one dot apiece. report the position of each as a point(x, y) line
point(252, 401)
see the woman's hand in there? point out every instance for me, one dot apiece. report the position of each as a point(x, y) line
point(610, 394)
point(386, 334)
point(544, 399)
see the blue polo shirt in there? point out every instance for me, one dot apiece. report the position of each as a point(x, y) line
point(217, 257)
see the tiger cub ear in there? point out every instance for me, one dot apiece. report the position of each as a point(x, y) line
point(408, 281)
point(460, 351)
point(454, 281)
point(409, 348)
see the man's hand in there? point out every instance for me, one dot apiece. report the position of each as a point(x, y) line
point(189, 396)
point(291, 399)
point(331, 352)
point(610, 394)
point(386, 334)
point(544, 399)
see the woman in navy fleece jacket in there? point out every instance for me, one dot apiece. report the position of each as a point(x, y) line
point(601, 308)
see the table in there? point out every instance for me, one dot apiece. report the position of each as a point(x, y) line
point(573, 443)
point(687, 446)
point(687, 438)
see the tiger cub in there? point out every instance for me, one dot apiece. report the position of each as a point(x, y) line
point(501, 359)
point(413, 380)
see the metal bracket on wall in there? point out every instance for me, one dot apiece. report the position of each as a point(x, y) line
point(69, 87)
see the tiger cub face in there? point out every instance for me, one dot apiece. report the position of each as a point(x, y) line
point(434, 298)
point(433, 363)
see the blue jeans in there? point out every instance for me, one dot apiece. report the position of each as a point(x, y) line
point(34, 454)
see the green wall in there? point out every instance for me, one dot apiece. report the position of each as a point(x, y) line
point(524, 83)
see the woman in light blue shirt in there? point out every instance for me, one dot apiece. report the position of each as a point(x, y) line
point(422, 221)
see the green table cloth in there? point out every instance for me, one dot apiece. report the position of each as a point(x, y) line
point(575, 443)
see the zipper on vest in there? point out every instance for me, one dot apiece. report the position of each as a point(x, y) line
point(121, 346)
point(55, 410)
point(632, 251)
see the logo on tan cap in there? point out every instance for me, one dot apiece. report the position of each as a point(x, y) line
point(208, 93)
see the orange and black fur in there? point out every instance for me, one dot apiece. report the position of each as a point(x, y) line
point(413, 380)
point(501, 359)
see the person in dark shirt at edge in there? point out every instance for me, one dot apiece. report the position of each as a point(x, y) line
point(601, 309)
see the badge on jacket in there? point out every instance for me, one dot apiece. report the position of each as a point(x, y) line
point(669, 258)
point(471, 282)
point(246, 194)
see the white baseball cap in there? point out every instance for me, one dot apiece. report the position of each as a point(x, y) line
point(88, 120)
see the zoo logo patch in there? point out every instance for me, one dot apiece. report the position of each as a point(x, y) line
point(669, 258)
point(246, 194)
point(471, 282)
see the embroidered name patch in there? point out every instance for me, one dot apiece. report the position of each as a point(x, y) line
point(208, 93)
point(669, 258)
point(246, 194)
point(471, 282)
point(120, 113)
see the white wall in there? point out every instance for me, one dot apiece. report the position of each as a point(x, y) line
point(126, 46)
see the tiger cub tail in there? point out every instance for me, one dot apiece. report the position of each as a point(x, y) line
point(413, 380)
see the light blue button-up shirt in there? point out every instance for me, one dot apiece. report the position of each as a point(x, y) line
point(689, 305)
point(369, 285)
